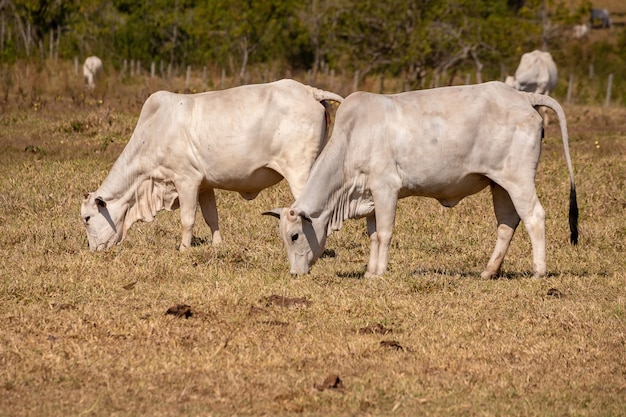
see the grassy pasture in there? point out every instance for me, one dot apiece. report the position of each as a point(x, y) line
point(87, 333)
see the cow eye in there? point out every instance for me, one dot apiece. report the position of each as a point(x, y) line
point(294, 237)
point(87, 219)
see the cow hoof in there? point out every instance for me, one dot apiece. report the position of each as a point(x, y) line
point(488, 275)
point(370, 275)
point(216, 239)
point(539, 275)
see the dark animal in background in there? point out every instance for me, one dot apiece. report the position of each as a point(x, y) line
point(600, 18)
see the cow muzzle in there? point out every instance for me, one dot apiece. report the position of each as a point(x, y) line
point(299, 264)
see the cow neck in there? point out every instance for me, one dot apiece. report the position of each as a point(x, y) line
point(124, 184)
point(125, 174)
point(326, 196)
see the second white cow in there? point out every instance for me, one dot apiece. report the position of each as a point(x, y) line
point(243, 139)
point(91, 68)
point(536, 73)
point(445, 143)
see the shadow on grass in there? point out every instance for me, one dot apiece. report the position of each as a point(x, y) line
point(506, 275)
point(351, 274)
point(200, 241)
point(446, 272)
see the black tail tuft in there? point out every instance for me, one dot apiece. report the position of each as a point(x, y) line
point(573, 216)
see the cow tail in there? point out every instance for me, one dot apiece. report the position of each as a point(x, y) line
point(324, 97)
point(547, 101)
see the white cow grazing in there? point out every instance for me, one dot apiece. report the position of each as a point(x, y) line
point(242, 139)
point(445, 143)
point(536, 73)
point(91, 68)
point(580, 31)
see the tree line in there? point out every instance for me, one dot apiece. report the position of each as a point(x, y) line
point(396, 38)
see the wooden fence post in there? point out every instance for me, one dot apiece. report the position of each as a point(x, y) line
point(51, 44)
point(56, 53)
point(2, 31)
point(609, 87)
point(188, 77)
point(355, 86)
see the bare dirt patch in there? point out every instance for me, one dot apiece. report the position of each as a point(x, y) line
point(180, 310)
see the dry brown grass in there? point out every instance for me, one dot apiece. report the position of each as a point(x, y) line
point(87, 333)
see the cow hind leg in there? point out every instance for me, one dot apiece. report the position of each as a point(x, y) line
point(208, 205)
point(533, 215)
point(535, 221)
point(508, 220)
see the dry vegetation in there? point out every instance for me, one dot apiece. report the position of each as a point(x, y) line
point(145, 330)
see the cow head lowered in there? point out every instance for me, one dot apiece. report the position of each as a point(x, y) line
point(102, 231)
point(304, 238)
point(108, 214)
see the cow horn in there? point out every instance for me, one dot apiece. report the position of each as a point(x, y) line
point(274, 213)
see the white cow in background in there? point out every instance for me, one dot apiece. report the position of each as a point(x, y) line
point(91, 68)
point(536, 73)
point(444, 143)
point(243, 139)
point(581, 31)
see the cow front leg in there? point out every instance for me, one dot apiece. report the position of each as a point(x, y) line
point(188, 200)
point(508, 220)
point(381, 239)
point(208, 205)
point(371, 232)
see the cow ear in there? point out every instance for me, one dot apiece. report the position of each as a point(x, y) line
point(100, 202)
point(273, 213)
